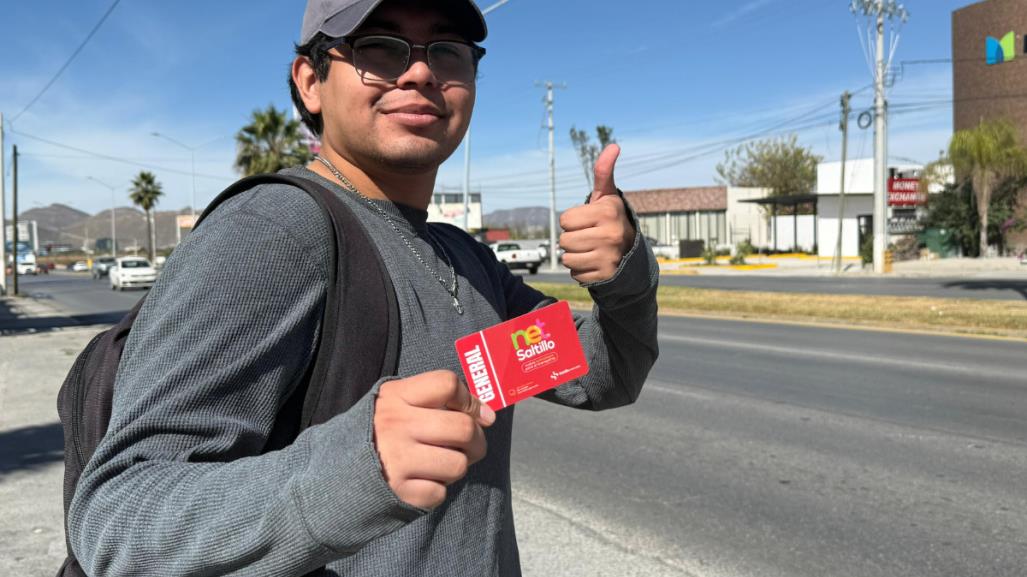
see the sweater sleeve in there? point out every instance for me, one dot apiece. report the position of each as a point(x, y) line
point(179, 486)
point(618, 336)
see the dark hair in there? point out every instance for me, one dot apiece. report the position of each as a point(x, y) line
point(316, 50)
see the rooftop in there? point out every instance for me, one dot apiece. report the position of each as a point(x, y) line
point(700, 198)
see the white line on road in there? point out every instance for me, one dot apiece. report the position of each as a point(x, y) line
point(902, 363)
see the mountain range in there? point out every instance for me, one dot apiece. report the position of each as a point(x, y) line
point(62, 224)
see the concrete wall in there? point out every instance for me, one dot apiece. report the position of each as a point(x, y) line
point(786, 238)
point(859, 176)
point(746, 220)
point(828, 227)
point(454, 214)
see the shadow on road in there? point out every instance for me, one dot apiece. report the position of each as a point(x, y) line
point(12, 325)
point(31, 448)
point(1017, 286)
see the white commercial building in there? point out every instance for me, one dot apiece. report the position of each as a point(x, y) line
point(906, 204)
point(448, 207)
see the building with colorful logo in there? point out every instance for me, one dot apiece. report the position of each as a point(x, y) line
point(989, 73)
point(989, 67)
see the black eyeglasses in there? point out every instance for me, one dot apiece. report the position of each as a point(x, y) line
point(386, 58)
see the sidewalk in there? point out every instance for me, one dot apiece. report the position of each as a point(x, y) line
point(32, 368)
point(812, 266)
point(37, 348)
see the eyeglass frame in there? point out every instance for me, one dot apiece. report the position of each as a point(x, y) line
point(477, 52)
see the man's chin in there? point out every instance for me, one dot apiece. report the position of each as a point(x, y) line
point(415, 159)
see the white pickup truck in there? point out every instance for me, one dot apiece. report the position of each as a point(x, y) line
point(513, 256)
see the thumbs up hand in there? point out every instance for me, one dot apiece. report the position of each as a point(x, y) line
point(597, 235)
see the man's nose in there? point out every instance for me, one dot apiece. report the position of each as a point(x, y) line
point(418, 73)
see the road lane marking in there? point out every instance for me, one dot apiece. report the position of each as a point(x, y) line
point(838, 356)
point(941, 332)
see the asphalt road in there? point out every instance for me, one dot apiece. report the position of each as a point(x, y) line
point(769, 450)
point(84, 300)
point(976, 288)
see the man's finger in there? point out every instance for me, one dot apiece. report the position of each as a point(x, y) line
point(465, 402)
point(603, 171)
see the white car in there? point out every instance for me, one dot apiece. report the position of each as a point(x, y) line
point(513, 256)
point(132, 272)
point(80, 266)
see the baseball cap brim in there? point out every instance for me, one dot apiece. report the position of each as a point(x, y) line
point(347, 20)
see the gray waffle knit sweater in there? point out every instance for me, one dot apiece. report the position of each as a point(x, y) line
point(178, 485)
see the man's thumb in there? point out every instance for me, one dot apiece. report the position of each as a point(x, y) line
point(604, 185)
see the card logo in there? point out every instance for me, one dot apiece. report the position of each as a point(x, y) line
point(999, 51)
point(531, 341)
point(479, 374)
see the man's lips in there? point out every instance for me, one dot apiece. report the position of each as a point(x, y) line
point(415, 116)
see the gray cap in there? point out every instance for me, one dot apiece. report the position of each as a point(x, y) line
point(337, 18)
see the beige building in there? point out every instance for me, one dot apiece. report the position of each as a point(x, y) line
point(714, 215)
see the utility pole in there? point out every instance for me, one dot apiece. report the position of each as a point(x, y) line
point(877, 11)
point(467, 180)
point(467, 152)
point(880, 151)
point(14, 219)
point(3, 218)
point(552, 173)
point(846, 109)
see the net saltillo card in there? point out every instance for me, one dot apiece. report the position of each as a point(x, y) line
point(522, 357)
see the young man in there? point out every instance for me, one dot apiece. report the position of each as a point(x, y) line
point(415, 478)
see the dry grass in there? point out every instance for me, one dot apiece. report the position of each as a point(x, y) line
point(969, 316)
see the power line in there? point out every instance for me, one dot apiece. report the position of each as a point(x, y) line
point(118, 159)
point(68, 62)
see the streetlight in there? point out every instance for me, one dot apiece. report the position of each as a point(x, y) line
point(114, 236)
point(467, 147)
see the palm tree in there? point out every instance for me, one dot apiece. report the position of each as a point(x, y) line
point(144, 193)
point(270, 143)
point(985, 156)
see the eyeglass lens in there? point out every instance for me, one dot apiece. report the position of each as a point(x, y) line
point(386, 58)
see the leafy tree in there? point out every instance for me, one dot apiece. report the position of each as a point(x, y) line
point(780, 165)
point(144, 193)
point(270, 143)
point(986, 156)
point(588, 152)
point(955, 209)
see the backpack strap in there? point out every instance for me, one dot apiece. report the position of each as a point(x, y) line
point(360, 335)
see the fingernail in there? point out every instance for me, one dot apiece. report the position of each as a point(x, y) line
point(488, 416)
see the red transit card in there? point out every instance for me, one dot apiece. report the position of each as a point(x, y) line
point(522, 357)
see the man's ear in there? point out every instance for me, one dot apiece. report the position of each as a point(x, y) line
point(307, 84)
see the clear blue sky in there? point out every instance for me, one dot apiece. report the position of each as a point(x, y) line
point(671, 77)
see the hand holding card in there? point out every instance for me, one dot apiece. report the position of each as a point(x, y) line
point(522, 357)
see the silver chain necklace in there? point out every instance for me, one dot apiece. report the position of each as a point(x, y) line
point(452, 288)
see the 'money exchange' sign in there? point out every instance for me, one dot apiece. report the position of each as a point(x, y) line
point(905, 192)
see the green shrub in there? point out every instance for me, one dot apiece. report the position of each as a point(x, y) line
point(866, 252)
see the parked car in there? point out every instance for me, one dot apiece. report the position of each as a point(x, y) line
point(513, 256)
point(132, 272)
point(79, 266)
point(101, 266)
